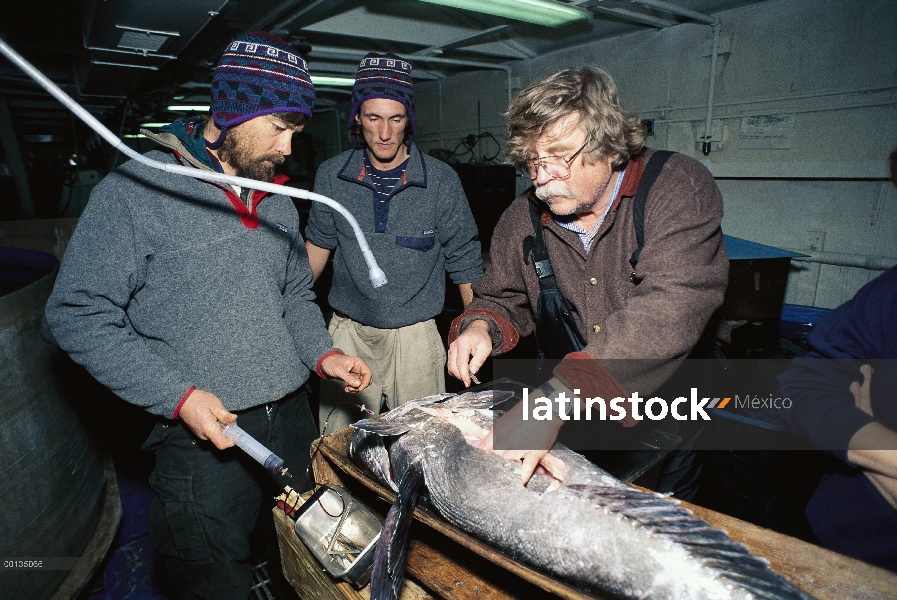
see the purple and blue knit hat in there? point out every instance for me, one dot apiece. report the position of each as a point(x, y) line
point(383, 76)
point(259, 74)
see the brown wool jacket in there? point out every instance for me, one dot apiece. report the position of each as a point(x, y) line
point(683, 269)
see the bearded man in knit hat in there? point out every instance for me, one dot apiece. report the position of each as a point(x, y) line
point(417, 221)
point(193, 301)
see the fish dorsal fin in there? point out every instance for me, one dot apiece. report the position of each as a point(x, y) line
point(381, 427)
point(663, 517)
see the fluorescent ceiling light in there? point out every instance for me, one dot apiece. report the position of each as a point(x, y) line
point(189, 107)
point(154, 125)
point(323, 80)
point(134, 135)
point(540, 12)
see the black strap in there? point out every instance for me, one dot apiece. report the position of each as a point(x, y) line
point(556, 332)
point(540, 252)
point(649, 175)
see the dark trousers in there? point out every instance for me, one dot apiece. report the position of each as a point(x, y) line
point(209, 501)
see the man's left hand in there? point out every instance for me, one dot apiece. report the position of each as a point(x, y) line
point(350, 369)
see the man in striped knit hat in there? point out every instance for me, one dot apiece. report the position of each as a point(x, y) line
point(417, 221)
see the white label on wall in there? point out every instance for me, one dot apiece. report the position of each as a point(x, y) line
point(768, 131)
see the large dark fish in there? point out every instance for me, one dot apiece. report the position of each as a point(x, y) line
point(593, 531)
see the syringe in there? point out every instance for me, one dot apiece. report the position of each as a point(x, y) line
point(255, 449)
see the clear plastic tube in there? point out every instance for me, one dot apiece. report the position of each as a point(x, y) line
point(375, 273)
point(254, 448)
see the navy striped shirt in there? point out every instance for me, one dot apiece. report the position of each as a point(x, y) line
point(384, 182)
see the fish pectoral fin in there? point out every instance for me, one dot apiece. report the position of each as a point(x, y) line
point(392, 547)
point(381, 427)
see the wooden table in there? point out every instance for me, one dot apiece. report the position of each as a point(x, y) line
point(445, 562)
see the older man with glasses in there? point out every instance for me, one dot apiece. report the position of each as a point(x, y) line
point(598, 266)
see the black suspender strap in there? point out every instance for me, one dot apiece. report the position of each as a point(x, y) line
point(649, 175)
point(556, 331)
point(540, 252)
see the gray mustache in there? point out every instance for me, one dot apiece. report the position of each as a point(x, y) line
point(553, 188)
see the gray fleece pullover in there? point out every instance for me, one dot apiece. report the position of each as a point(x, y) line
point(430, 232)
point(169, 283)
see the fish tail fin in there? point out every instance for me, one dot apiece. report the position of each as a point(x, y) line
point(392, 548)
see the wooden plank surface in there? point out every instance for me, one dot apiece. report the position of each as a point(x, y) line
point(822, 573)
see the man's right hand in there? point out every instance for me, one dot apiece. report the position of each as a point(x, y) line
point(469, 351)
point(202, 412)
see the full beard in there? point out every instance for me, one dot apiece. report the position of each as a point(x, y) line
point(246, 164)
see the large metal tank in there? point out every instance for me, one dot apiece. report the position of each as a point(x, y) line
point(58, 490)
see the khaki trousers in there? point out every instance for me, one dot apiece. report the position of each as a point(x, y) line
point(407, 363)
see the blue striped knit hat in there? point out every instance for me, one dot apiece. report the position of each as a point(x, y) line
point(383, 76)
point(259, 74)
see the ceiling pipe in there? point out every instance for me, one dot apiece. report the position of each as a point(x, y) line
point(340, 52)
point(328, 5)
point(678, 10)
point(716, 24)
point(462, 41)
point(706, 145)
point(629, 15)
point(272, 15)
point(861, 261)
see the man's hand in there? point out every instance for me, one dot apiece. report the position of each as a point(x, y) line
point(350, 369)
point(520, 434)
point(861, 392)
point(469, 351)
point(202, 412)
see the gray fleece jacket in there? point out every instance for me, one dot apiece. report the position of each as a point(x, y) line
point(430, 232)
point(170, 282)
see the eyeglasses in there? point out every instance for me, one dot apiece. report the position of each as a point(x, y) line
point(557, 167)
